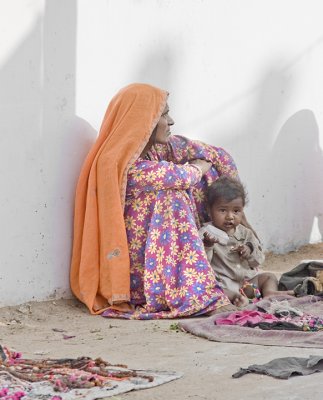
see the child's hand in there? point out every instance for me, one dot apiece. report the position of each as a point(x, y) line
point(243, 250)
point(209, 240)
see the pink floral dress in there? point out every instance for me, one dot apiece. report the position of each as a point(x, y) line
point(170, 276)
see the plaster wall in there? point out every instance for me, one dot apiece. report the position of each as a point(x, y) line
point(245, 76)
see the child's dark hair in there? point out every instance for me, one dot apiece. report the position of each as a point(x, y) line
point(226, 188)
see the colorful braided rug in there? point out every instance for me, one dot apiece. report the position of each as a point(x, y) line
point(70, 378)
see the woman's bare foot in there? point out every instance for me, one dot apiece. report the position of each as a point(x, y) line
point(223, 309)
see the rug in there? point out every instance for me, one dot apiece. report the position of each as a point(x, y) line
point(240, 334)
point(71, 379)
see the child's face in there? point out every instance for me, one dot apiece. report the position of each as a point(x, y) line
point(227, 215)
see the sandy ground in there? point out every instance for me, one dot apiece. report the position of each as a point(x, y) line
point(206, 366)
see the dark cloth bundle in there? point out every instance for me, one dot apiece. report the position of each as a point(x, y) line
point(284, 368)
point(306, 278)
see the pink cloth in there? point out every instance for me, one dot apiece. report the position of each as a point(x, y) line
point(243, 317)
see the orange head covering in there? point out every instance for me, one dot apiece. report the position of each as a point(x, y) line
point(100, 270)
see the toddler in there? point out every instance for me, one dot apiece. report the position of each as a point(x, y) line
point(233, 250)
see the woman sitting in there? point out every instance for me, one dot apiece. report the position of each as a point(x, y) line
point(139, 203)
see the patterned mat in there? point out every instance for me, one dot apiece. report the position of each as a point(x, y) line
point(312, 305)
point(69, 379)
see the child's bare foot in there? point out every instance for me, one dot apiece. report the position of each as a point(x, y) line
point(240, 300)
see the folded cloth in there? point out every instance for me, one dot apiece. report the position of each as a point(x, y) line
point(284, 368)
point(277, 326)
point(282, 308)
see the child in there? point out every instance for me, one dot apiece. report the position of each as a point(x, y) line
point(233, 250)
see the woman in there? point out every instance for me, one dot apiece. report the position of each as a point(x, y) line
point(139, 202)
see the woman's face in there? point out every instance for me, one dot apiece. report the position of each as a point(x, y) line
point(162, 130)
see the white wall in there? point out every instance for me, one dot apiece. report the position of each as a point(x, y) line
point(244, 75)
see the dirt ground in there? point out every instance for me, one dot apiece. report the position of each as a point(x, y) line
point(37, 329)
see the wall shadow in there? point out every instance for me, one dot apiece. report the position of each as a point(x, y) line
point(296, 165)
point(281, 166)
point(250, 141)
point(44, 144)
point(67, 137)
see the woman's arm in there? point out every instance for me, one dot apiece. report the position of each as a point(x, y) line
point(149, 176)
point(181, 150)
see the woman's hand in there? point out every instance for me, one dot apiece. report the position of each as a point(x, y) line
point(204, 165)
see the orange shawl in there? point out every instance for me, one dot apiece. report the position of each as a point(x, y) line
point(100, 269)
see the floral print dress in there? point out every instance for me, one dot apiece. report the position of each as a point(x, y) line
point(170, 276)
